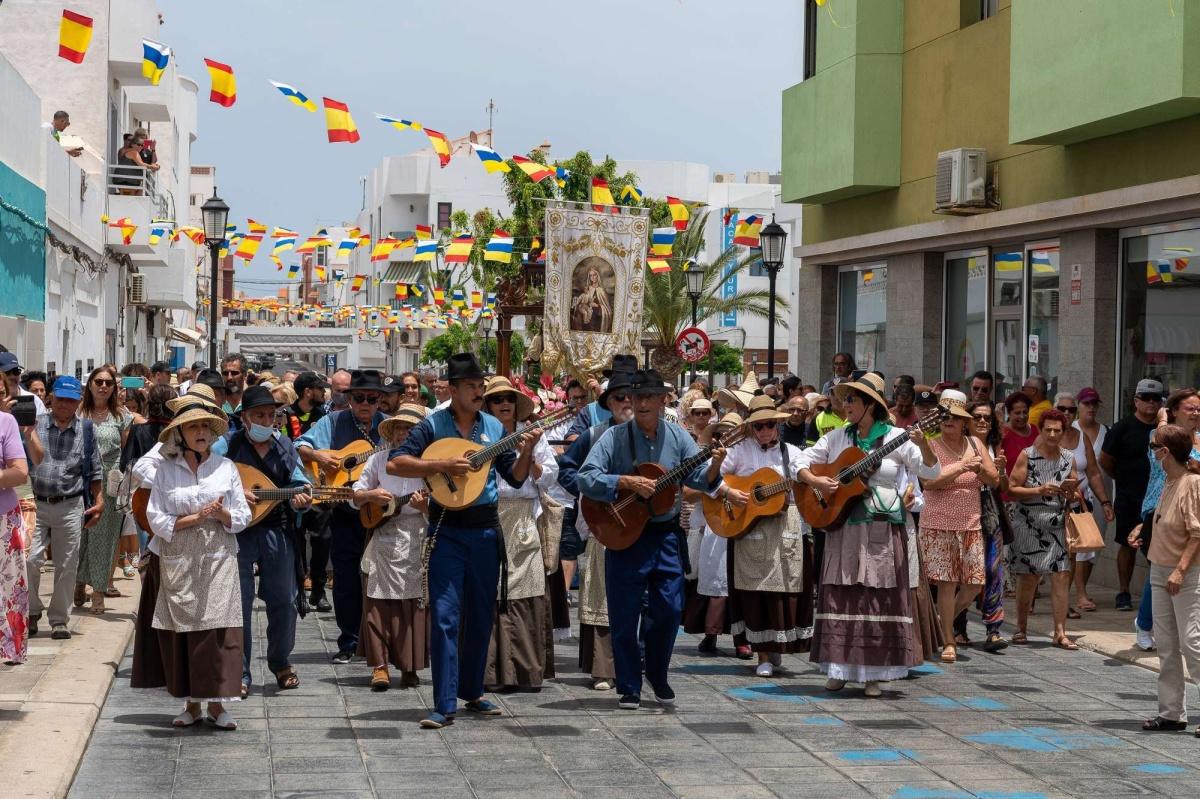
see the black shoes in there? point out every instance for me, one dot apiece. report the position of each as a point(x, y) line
point(629, 702)
point(708, 645)
point(343, 656)
point(319, 602)
point(32, 626)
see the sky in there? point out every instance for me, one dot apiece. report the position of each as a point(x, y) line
point(688, 80)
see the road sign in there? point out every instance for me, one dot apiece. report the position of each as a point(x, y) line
point(692, 344)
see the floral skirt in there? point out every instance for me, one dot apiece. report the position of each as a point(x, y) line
point(14, 593)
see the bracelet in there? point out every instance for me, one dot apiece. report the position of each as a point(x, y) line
point(1104, 503)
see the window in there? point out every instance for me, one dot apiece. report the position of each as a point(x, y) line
point(444, 210)
point(966, 315)
point(810, 39)
point(972, 11)
point(862, 314)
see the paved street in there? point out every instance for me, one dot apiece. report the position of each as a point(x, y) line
point(1032, 722)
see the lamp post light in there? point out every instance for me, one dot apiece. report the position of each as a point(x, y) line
point(772, 240)
point(695, 284)
point(486, 323)
point(216, 215)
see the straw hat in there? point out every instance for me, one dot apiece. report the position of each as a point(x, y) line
point(199, 395)
point(730, 420)
point(502, 385)
point(870, 384)
point(216, 424)
point(741, 396)
point(954, 401)
point(407, 414)
point(762, 409)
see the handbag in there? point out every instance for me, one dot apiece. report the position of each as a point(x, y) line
point(1083, 535)
point(993, 515)
point(549, 527)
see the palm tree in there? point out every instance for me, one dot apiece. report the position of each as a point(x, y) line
point(667, 309)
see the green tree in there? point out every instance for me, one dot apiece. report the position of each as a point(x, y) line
point(468, 338)
point(722, 360)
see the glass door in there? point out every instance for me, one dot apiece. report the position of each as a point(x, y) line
point(1008, 301)
point(1042, 351)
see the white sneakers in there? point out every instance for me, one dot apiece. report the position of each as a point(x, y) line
point(765, 669)
point(1145, 640)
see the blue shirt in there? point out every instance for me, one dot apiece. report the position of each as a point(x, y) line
point(299, 476)
point(570, 461)
point(487, 430)
point(1158, 479)
point(610, 458)
point(589, 415)
point(320, 435)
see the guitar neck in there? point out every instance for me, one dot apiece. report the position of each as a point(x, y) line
point(362, 457)
point(509, 442)
point(875, 458)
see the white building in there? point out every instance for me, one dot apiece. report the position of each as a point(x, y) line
point(129, 310)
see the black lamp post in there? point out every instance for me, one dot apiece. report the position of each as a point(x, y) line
point(216, 215)
point(771, 240)
point(695, 284)
point(486, 323)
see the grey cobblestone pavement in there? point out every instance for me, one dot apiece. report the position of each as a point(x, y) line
point(1030, 722)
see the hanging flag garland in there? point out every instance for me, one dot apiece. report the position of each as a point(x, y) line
point(295, 95)
point(74, 36)
point(339, 123)
point(224, 84)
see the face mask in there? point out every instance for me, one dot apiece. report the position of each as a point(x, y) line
point(260, 434)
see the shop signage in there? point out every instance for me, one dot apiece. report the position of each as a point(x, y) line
point(1076, 284)
point(729, 287)
point(1034, 347)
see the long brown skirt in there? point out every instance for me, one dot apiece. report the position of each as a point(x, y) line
point(595, 652)
point(201, 665)
point(521, 651)
point(704, 615)
point(771, 621)
point(394, 631)
point(926, 629)
point(560, 608)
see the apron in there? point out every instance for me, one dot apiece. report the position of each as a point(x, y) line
point(593, 600)
point(391, 560)
point(523, 548)
point(771, 556)
point(199, 587)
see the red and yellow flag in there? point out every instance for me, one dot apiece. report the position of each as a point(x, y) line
point(601, 194)
point(74, 36)
point(339, 122)
point(440, 144)
point(224, 84)
point(679, 213)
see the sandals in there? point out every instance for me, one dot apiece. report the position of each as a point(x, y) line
point(1019, 638)
point(287, 679)
point(1072, 613)
point(961, 639)
point(98, 607)
point(1159, 724)
point(186, 719)
point(223, 721)
point(1087, 606)
point(113, 593)
point(245, 690)
point(949, 653)
point(994, 643)
point(1063, 642)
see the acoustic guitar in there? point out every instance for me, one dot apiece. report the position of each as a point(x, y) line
point(373, 515)
point(618, 524)
point(351, 459)
point(768, 497)
point(852, 469)
point(456, 493)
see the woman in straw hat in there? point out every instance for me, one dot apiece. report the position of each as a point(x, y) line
point(863, 630)
point(395, 628)
point(770, 596)
point(521, 651)
point(951, 536)
point(197, 506)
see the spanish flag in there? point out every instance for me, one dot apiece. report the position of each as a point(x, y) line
point(256, 227)
point(224, 84)
point(439, 297)
point(74, 36)
point(383, 249)
point(537, 172)
point(424, 232)
point(248, 247)
point(459, 250)
point(679, 213)
point(476, 299)
point(658, 264)
point(401, 291)
point(339, 122)
point(440, 144)
point(601, 195)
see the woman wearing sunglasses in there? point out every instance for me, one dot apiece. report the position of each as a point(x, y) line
point(521, 652)
point(770, 590)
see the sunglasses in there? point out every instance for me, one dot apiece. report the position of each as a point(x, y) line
point(618, 397)
point(982, 417)
point(365, 399)
point(1149, 398)
point(701, 413)
point(503, 399)
point(99, 381)
point(764, 425)
point(14, 371)
point(231, 372)
point(1065, 408)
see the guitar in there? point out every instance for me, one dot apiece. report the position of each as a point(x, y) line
point(618, 524)
point(456, 493)
point(768, 497)
point(350, 462)
point(372, 515)
point(852, 469)
point(269, 495)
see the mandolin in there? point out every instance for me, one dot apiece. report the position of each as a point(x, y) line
point(456, 493)
point(852, 469)
point(373, 515)
point(350, 462)
point(768, 497)
point(618, 524)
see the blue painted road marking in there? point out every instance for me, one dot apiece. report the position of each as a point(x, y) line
point(771, 692)
point(1158, 768)
point(877, 755)
point(1043, 739)
point(971, 703)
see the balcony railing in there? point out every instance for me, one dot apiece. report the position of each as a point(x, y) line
point(137, 181)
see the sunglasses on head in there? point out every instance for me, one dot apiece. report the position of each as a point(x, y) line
point(365, 399)
point(503, 399)
point(763, 425)
point(1065, 408)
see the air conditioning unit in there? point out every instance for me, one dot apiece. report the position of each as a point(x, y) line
point(724, 177)
point(758, 177)
point(137, 289)
point(961, 180)
point(407, 337)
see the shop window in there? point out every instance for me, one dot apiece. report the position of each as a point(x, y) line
point(966, 316)
point(862, 315)
point(1160, 327)
point(1042, 338)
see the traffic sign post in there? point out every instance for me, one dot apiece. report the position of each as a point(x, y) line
point(692, 344)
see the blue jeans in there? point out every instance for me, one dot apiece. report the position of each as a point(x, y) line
point(1145, 614)
point(346, 542)
point(648, 569)
point(464, 572)
point(271, 548)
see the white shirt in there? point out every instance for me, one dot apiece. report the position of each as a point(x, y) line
point(178, 492)
point(543, 456)
point(374, 475)
point(39, 406)
point(441, 406)
point(907, 455)
point(747, 457)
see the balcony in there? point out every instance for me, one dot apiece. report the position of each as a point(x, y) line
point(133, 194)
point(1137, 68)
point(75, 195)
point(130, 21)
point(153, 103)
point(175, 286)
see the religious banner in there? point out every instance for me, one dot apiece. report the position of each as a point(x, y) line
point(595, 285)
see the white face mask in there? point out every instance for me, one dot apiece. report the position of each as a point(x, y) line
point(260, 434)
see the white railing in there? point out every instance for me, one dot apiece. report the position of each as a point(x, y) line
point(136, 181)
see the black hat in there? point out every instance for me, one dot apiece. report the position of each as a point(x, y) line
point(198, 365)
point(621, 382)
point(211, 378)
point(307, 380)
point(366, 380)
point(392, 385)
point(159, 366)
point(649, 382)
point(463, 366)
point(622, 363)
point(256, 396)
point(925, 398)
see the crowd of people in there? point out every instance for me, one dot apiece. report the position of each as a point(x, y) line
point(968, 498)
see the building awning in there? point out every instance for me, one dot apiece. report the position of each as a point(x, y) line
point(187, 335)
point(293, 344)
point(402, 272)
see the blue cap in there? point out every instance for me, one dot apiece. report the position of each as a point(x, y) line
point(8, 362)
point(66, 387)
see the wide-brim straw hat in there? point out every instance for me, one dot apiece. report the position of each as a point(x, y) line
point(954, 401)
point(730, 420)
point(762, 409)
point(502, 385)
point(870, 384)
point(406, 414)
point(216, 424)
point(200, 395)
point(740, 396)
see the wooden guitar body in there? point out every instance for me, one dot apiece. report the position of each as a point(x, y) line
point(829, 513)
point(618, 524)
point(372, 515)
point(729, 521)
point(450, 492)
point(350, 464)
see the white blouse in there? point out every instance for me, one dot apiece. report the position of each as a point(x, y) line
point(748, 456)
point(178, 492)
point(543, 456)
point(907, 455)
point(375, 475)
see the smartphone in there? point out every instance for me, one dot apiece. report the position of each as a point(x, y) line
point(24, 411)
point(133, 382)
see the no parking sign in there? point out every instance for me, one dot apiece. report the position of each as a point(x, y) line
point(692, 344)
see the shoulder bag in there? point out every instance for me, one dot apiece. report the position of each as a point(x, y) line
point(1083, 535)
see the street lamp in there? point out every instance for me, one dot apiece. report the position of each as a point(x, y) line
point(216, 215)
point(771, 241)
point(486, 323)
point(695, 283)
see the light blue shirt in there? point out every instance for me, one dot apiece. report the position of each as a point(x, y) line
point(221, 447)
point(610, 458)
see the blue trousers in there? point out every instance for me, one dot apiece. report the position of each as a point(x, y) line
point(650, 570)
point(1145, 614)
point(464, 572)
point(347, 540)
point(271, 549)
